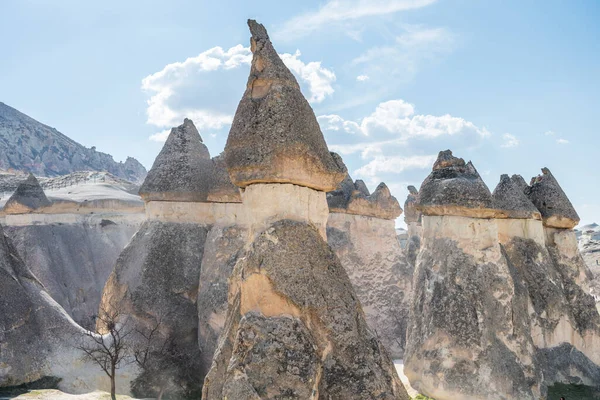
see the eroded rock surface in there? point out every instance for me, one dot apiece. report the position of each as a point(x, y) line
point(275, 136)
point(552, 202)
point(28, 197)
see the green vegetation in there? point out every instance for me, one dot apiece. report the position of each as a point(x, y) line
point(573, 392)
point(421, 397)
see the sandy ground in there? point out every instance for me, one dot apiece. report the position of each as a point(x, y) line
point(51, 394)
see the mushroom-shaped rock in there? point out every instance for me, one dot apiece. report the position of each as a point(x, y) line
point(552, 202)
point(455, 188)
point(519, 182)
point(411, 214)
point(354, 198)
point(275, 136)
point(28, 197)
point(182, 170)
point(511, 202)
point(222, 190)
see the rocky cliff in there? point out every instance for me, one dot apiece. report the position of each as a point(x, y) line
point(28, 145)
point(500, 308)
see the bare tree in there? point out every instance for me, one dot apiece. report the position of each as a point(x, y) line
point(110, 348)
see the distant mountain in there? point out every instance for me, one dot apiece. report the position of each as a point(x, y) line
point(28, 145)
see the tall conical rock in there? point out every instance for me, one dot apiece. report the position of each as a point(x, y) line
point(294, 325)
point(28, 197)
point(182, 170)
point(275, 136)
point(547, 195)
point(454, 188)
point(510, 199)
point(413, 220)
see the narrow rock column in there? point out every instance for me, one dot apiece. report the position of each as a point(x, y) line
point(294, 326)
point(461, 340)
point(412, 218)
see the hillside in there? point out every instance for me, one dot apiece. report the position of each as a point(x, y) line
point(28, 145)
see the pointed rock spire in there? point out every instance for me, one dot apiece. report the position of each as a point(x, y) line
point(510, 199)
point(275, 137)
point(552, 202)
point(28, 197)
point(182, 170)
point(411, 214)
point(221, 188)
point(455, 188)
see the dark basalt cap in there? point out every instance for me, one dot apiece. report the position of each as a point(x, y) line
point(510, 200)
point(552, 202)
point(354, 198)
point(454, 188)
point(182, 170)
point(28, 197)
point(275, 136)
point(222, 190)
point(411, 214)
point(519, 182)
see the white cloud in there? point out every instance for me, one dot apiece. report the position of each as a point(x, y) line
point(319, 79)
point(160, 136)
point(509, 140)
point(549, 133)
point(562, 141)
point(186, 90)
point(362, 78)
point(395, 164)
point(340, 11)
point(397, 119)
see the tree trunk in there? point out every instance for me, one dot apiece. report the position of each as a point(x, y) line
point(113, 390)
point(160, 394)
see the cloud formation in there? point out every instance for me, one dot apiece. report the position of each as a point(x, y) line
point(509, 141)
point(205, 88)
point(340, 11)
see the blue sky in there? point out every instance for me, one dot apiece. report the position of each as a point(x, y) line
point(513, 86)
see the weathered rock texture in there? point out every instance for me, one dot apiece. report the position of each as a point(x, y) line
point(499, 309)
point(275, 136)
point(73, 260)
point(554, 205)
point(28, 197)
point(37, 336)
point(361, 232)
point(182, 170)
point(354, 198)
point(412, 218)
point(27, 145)
point(294, 328)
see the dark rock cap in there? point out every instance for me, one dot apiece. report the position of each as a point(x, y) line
point(222, 190)
point(411, 214)
point(554, 205)
point(454, 188)
point(275, 136)
point(28, 197)
point(354, 198)
point(510, 200)
point(519, 182)
point(182, 170)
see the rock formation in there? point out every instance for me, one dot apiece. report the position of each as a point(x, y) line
point(412, 218)
point(294, 326)
point(28, 197)
point(498, 310)
point(554, 205)
point(360, 230)
point(37, 337)
point(27, 145)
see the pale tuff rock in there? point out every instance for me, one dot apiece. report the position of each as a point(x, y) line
point(554, 205)
point(294, 326)
point(500, 308)
point(37, 336)
point(455, 188)
point(182, 170)
point(275, 136)
point(510, 200)
point(354, 198)
point(412, 218)
point(370, 253)
point(28, 198)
